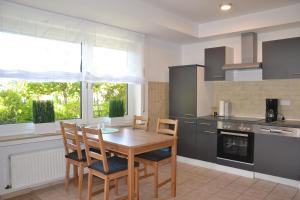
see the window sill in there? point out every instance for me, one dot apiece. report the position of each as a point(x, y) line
point(28, 138)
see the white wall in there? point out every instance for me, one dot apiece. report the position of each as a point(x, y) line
point(159, 55)
point(194, 53)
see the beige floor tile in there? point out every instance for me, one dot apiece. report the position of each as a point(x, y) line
point(297, 196)
point(284, 191)
point(193, 183)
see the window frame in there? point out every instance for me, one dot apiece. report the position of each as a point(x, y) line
point(134, 104)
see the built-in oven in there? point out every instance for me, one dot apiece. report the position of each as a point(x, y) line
point(235, 145)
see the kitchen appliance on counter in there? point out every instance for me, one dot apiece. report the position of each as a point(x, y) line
point(271, 110)
point(224, 108)
point(236, 143)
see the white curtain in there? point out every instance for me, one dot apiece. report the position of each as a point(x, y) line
point(39, 59)
point(109, 54)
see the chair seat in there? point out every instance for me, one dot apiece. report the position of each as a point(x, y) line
point(74, 156)
point(115, 164)
point(156, 155)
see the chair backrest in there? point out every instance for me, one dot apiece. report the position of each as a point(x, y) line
point(167, 126)
point(140, 122)
point(93, 140)
point(71, 139)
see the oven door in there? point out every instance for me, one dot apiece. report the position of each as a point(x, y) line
point(234, 145)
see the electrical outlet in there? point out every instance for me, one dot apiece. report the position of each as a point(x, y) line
point(285, 102)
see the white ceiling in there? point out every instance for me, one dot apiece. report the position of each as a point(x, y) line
point(179, 21)
point(201, 11)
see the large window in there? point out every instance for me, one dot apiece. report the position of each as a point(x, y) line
point(33, 68)
point(16, 100)
point(103, 93)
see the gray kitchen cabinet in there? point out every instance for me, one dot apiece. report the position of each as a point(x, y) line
point(277, 156)
point(215, 59)
point(281, 59)
point(183, 91)
point(206, 140)
point(187, 130)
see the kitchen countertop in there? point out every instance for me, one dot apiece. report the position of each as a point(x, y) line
point(258, 121)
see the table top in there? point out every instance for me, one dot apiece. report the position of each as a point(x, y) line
point(129, 137)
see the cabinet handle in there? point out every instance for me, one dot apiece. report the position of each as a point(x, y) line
point(205, 124)
point(210, 132)
point(218, 76)
point(265, 130)
point(189, 122)
point(190, 115)
point(296, 74)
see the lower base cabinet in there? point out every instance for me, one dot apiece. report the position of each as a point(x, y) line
point(277, 156)
point(206, 145)
point(197, 139)
point(187, 129)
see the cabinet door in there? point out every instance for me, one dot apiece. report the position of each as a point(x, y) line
point(281, 59)
point(214, 61)
point(277, 156)
point(183, 91)
point(206, 141)
point(187, 137)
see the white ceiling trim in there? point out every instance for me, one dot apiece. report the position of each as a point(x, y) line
point(251, 22)
point(142, 17)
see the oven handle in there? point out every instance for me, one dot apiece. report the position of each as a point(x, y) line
point(234, 134)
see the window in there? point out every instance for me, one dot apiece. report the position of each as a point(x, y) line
point(16, 100)
point(36, 68)
point(103, 93)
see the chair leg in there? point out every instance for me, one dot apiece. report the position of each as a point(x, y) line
point(145, 169)
point(137, 178)
point(80, 180)
point(155, 169)
point(90, 186)
point(116, 186)
point(75, 174)
point(106, 189)
point(67, 175)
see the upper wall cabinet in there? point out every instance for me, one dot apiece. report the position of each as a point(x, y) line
point(215, 59)
point(281, 59)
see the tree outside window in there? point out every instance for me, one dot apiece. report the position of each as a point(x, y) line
point(103, 93)
point(16, 100)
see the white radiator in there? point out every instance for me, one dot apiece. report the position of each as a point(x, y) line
point(34, 168)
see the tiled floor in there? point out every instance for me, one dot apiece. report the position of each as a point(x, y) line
point(193, 183)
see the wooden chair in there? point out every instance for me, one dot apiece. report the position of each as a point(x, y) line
point(162, 156)
point(140, 122)
point(108, 169)
point(74, 154)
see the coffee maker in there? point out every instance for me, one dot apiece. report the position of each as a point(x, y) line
point(271, 110)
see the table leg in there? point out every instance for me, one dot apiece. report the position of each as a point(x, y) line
point(173, 168)
point(130, 181)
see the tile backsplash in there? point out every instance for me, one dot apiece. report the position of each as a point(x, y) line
point(158, 102)
point(248, 98)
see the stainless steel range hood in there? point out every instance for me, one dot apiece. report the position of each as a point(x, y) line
point(249, 54)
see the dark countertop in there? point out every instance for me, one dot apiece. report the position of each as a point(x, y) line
point(258, 121)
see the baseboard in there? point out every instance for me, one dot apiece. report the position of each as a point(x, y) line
point(21, 191)
point(217, 167)
point(239, 172)
point(277, 179)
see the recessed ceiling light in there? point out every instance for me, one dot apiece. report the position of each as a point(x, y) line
point(225, 6)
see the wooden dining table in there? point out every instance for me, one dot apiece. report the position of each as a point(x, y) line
point(130, 142)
